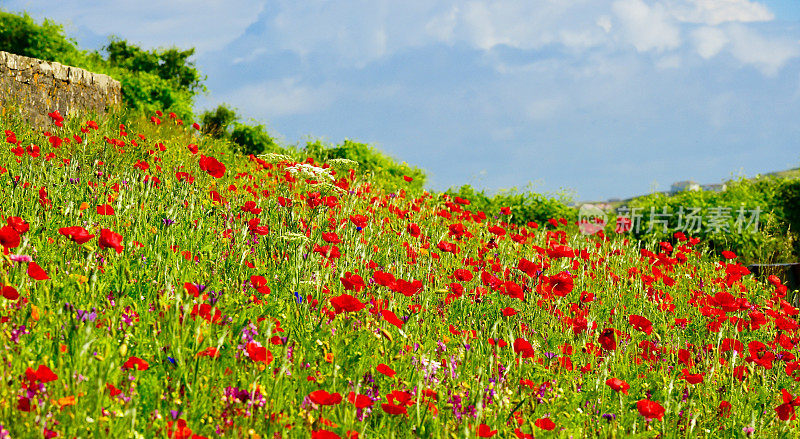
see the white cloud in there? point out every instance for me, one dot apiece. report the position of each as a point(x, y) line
point(283, 98)
point(647, 28)
point(713, 12)
point(669, 62)
point(604, 21)
point(542, 109)
point(709, 41)
point(768, 55)
point(442, 27)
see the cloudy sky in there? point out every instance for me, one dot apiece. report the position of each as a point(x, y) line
point(605, 98)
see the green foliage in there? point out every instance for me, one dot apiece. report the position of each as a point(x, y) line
point(389, 174)
point(766, 237)
point(21, 35)
point(253, 139)
point(168, 64)
point(526, 206)
point(216, 122)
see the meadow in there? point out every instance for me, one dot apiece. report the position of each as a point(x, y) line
point(157, 284)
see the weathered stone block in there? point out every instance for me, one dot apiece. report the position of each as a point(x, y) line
point(40, 87)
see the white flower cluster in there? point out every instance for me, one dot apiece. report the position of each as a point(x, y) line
point(310, 171)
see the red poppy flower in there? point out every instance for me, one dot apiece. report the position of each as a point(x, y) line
point(105, 209)
point(400, 397)
point(212, 166)
point(641, 323)
point(618, 385)
point(42, 374)
point(724, 409)
point(331, 238)
point(463, 275)
point(111, 240)
point(36, 272)
point(522, 346)
point(352, 282)
point(113, 390)
point(136, 363)
point(9, 238)
point(528, 267)
point(391, 318)
point(76, 234)
point(561, 284)
point(394, 409)
point(786, 410)
point(359, 220)
point(260, 284)
point(545, 424)
point(696, 378)
point(208, 352)
point(322, 397)
point(359, 400)
point(259, 353)
point(9, 292)
point(508, 311)
point(346, 303)
point(486, 431)
point(57, 118)
point(324, 434)
point(650, 409)
point(18, 224)
point(386, 370)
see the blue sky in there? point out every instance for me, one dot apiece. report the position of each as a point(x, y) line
point(603, 98)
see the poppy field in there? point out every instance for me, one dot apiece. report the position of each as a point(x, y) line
point(158, 285)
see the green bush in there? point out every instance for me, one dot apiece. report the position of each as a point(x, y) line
point(21, 35)
point(526, 206)
point(253, 139)
point(389, 174)
point(769, 236)
point(216, 122)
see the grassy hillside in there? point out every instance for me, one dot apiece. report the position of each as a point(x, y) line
point(155, 284)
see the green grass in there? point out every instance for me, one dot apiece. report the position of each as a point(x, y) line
point(100, 308)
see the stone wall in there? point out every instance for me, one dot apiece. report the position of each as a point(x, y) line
point(39, 87)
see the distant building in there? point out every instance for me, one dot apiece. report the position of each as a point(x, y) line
point(714, 187)
point(686, 185)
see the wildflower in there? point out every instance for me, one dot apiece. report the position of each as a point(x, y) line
point(650, 409)
point(641, 323)
point(105, 209)
point(36, 272)
point(386, 370)
point(359, 400)
point(561, 284)
point(346, 303)
point(135, 363)
point(212, 166)
point(110, 239)
point(618, 385)
point(545, 424)
point(322, 397)
point(486, 431)
point(785, 411)
point(9, 238)
point(391, 318)
point(9, 292)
